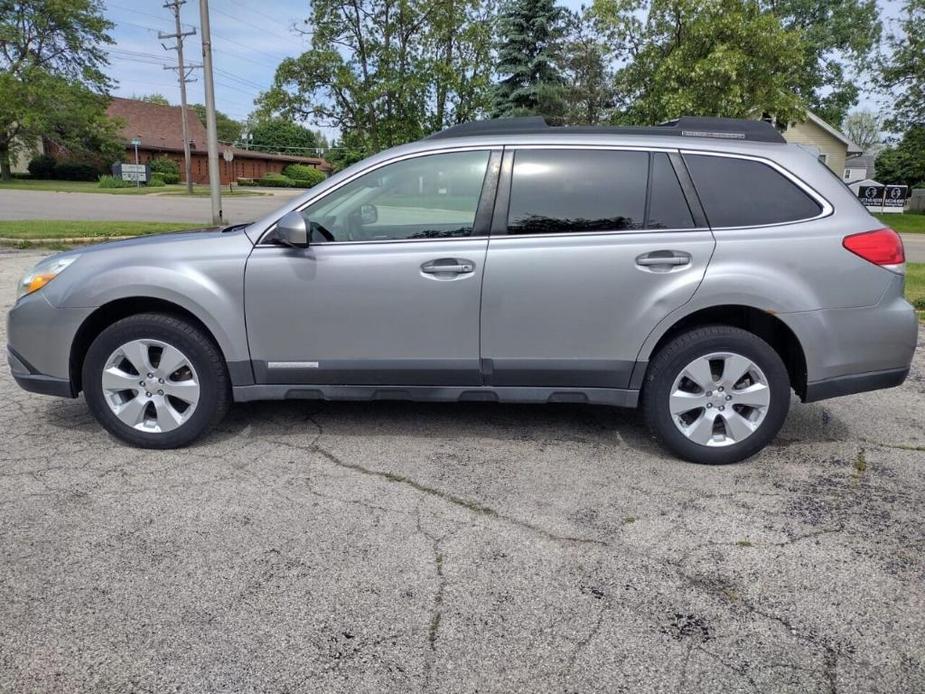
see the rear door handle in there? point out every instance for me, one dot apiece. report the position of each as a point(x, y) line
point(454, 266)
point(664, 258)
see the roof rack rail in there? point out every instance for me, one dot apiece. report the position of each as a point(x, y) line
point(687, 126)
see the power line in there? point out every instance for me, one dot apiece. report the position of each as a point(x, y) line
point(249, 25)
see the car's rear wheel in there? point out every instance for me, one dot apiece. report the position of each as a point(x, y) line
point(716, 395)
point(155, 381)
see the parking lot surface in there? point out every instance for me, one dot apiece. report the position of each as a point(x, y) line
point(42, 204)
point(397, 547)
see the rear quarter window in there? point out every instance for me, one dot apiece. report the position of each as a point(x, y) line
point(741, 192)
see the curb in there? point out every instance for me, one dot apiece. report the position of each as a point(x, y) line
point(79, 240)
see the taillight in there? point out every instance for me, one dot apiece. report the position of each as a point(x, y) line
point(881, 247)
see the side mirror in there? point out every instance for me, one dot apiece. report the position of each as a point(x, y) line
point(369, 214)
point(292, 230)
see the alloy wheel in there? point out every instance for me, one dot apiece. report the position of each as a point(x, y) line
point(150, 385)
point(719, 399)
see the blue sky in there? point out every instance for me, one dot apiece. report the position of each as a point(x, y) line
point(250, 38)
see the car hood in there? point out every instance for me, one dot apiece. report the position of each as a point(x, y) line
point(157, 239)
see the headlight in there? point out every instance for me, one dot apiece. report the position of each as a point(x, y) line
point(43, 273)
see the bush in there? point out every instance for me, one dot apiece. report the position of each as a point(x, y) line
point(165, 166)
point(42, 166)
point(156, 176)
point(156, 182)
point(275, 181)
point(171, 178)
point(73, 170)
point(113, 182)
point(305, 174)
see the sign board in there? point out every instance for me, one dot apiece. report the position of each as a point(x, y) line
point(131, 172)
point(878, 198)
point(895, 197)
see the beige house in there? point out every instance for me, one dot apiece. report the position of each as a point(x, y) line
point(832, 146)
point(20, 160)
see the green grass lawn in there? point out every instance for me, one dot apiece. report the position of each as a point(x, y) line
point(91, 187)
point(33, 229)
point(915, 284)
point(907, 223)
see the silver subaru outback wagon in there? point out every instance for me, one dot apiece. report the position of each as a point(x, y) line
point(701, 269)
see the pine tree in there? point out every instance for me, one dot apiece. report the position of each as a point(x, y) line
point(529, 61)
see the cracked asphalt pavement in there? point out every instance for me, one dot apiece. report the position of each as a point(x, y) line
point(396, 547)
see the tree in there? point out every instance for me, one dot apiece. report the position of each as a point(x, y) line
point(863, 128)
point(281, 135)
point(51, 75)
point(904, 164)
point(228, 129)
point(155, 98)
point(838, 39)
point(903, 70)
point(687, 57)
point(590, 93)
point(530, 61)
point(384, 72)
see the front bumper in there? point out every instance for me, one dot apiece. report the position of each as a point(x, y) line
point(29, 379)
point(39, 339)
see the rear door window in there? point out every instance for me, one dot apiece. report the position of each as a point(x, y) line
point(556, 191)
point(741, 192)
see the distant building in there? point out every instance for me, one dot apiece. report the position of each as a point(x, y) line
point(859, 168)
point(831, 146)
point(159, 129)
point(19, 162)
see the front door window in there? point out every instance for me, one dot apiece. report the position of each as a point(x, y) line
point(428, 197)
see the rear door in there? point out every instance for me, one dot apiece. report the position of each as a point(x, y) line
point(590, 249)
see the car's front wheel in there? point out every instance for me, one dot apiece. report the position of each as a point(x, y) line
point(716, 395)
point(155, 381)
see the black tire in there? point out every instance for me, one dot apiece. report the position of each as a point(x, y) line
point(674, 357)
point(206, 358)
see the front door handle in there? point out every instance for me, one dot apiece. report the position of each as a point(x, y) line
point(664, 259)
point(455, 266)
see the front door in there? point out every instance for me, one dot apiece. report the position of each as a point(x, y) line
point(590, 249)
point(388, 291)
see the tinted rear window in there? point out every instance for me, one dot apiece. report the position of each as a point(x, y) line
point(740, 192)
point(562, 191)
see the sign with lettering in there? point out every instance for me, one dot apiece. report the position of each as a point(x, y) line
point(131, 172)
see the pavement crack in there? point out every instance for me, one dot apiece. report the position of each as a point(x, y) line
point(896, 446)
point(467, 504)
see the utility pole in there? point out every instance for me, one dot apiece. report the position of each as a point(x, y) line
point(183, 73)
point(215, 184)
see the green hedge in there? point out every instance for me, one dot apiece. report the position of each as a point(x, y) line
point(278, 181)
point(165, 166)
point(171, 178)
point(156, 182)
point(42, 166)
point(71, 170)
point(301, 172)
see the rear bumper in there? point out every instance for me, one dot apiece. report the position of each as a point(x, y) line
point(29, 379)
point(853, 350)
point(854, 383)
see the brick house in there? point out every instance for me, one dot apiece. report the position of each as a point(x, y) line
point(159, 128)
